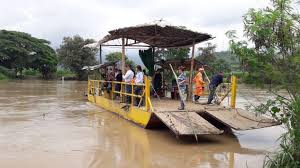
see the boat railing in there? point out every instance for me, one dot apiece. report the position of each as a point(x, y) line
point(112, 89)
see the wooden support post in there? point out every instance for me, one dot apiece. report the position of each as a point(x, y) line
point(231, 160)
point(123, 55)
point(88, 88)
point(190, 94)
point(233, 91)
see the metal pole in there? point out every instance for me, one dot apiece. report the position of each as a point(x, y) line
point(233, 91)
point(147, 93)
point(191, 73)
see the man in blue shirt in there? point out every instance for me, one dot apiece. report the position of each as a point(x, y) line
point(182, 87)
point(216, 80)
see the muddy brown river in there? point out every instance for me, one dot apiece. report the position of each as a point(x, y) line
point(50, 124)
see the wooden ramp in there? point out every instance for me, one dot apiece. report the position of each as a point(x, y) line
point(240, 119)
point(187, 123)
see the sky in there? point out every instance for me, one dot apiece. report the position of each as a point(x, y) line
point(55, 19)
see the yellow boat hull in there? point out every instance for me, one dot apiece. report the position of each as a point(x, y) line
point(137, 115)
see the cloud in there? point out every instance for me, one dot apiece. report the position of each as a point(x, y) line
point(52, 20)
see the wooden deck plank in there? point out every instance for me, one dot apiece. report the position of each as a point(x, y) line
point(240, 119)
point(187, 123)
point(170, 105)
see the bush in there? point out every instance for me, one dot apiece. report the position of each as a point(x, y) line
point(64, 72)
point(289, 154)
point(3, 77)
point(7, 72)
point(31, 72)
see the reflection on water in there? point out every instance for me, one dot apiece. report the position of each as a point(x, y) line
point(50, 124)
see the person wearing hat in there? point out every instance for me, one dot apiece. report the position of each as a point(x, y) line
point(182, 86)
point(199, 83)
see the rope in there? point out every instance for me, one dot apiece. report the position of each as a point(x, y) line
point(155, 91)
point(141, 99)
point(259, 121)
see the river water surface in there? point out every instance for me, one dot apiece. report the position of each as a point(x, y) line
point(50, 124)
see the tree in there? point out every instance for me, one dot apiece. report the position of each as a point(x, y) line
point(172, 53)
point(207, 55)
point(20, 50)
point(73, 54)
point(117, 56)
point(272, 55)
point(114, 56)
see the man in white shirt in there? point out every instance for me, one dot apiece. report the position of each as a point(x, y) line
point(139, 79)
point(128, 78)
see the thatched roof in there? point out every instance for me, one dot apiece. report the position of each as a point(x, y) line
point(95, 67)
point(186, 63)
point(156, 35)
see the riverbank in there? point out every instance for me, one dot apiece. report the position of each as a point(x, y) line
point(3, 77)
point(31, 74)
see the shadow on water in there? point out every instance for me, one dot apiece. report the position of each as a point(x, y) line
point(124, 144)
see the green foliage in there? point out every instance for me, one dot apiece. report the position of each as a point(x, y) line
point(74, 55)
point(64, 72)
point(7, 72)
point(288, 113)
point(117, 56)
point(31, 72)
point(3, 77)
point(172, 53)
point(273, 57)
point(114, 56)
point(20, 50)
point(207, 56)
point(229, 58)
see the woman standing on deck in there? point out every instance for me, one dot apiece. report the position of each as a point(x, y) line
point(182, 87)
point(198, 80)
point(139, 79)
point(128, 78)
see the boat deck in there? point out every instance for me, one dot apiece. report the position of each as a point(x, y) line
point(196, 119)
point(206, 119)
point(167, 105)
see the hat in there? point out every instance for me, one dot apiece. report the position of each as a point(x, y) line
point(181, 68)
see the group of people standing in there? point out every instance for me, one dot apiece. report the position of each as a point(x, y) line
point(136, 78)
point(199, 86)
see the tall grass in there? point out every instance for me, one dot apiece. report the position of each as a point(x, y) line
point(289, 154)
